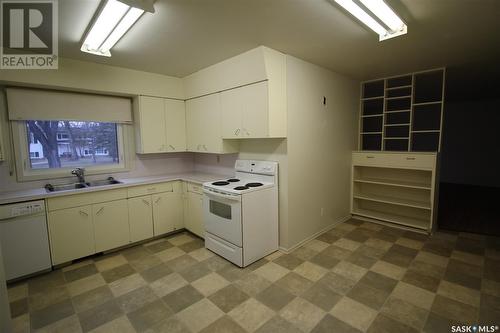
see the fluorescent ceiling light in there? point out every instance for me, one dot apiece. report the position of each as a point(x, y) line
point(113, 22)
point(382, 11)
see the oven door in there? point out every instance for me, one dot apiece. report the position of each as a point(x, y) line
point(222, 216)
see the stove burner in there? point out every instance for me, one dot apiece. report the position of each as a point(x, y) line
point(233, 180)
point(220, 183)
point(254, 184)
point(241, 188)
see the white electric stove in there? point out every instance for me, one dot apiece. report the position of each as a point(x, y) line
point(241, 213)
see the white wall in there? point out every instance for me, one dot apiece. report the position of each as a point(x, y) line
point(320, 141)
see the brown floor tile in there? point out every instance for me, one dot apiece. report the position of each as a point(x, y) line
point(438, 247)
point(330, 324)
point(157, 272)
point(398, 259)
point(51, 314)
point(451, 309)
point(80, 272)
point(472, 246)
point(277, 325)
point(228, 298)
point(170, 325)
point(46, 281)
point(117, 273)
point(337, 283)
point(324, 260)
point(405, 312)
point(294, 283)
point(379, 281)
point(420, 280)
point(252, 284)
point(231, 273)
point(427, 269)
point(19, 307)
point(99, 315)
point(436, 323)
point(327, 238)
point(462, 279)
point(182, 298)
point(191, 246)
point(336, 252)
point(372, 252)
point(48, 297)
point(288, 261)
point(358, 235)
point(223, 325)
point(372, 297)
point(92, 298)
point(489, 311)
point(274, 297)
point(145, 262)
point(321, 296)
point(149, 315)
point(385, 324)
point(361, 260)
point(181, 263)
point(136, 299)
point(158, 246)
point(492, 269)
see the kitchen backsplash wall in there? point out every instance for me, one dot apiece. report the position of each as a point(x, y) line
point(151, 165)
point(215, 164)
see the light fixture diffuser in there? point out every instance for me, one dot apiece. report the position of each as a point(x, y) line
point(395, 26)
point(114, 20)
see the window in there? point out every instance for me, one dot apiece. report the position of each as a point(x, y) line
point(51, 148)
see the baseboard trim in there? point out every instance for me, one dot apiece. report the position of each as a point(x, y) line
point(322, 231)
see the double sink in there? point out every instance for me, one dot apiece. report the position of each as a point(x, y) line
point(76, 186)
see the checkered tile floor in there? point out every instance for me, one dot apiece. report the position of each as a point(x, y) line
point(357, 277)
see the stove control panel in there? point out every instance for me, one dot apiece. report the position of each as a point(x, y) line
point(257, 167)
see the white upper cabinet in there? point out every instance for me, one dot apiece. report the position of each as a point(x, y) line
point(203, 122)
point(245, 112)
point(175, 116)
point(160, 125)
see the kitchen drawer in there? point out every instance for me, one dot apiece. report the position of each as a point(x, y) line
point(77, 200)
point(141, 190)
point(396, 160)
point(194, 188)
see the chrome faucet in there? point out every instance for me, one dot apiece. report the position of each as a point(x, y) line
point(80, 173)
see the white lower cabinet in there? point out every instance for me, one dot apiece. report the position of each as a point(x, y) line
point(140, 215)
point(71, 234)
point(111, 225)
point(193, 218)
point(167, 212)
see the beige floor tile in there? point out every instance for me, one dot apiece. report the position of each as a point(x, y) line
point(411, 243)
point(414, 295)
point(274, 255)
point(18, 292)
point(459, 293)
point(389, 270)
point(310, 271)
point(119, 325)
point(251, 314)
point(405, 312)
point(431, 258)
point(350, 271)
point(21, 324)
point(168, 284)
point(302, 314)
point(316, 245)
point(252, 284)
point(200, 315)
point(272, 271)
point(210, 283)
point(181, 239)
point(169, 254)
point(379, 244)
point(347, 244)
point(110, 263)
point(468, 258)
point(354, 313)
point(127, 284)
point(77, 265)
point(80, 286)
point(201, 254)
point(68, 324)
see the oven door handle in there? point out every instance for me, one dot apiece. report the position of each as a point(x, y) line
point(218, 195)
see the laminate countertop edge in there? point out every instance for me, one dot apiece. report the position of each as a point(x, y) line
point(41, 193)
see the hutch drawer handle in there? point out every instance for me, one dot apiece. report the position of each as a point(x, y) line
point(411, 158)
point(145, 202)
point(82, 213)
point(99, 211)
point(158, 200)
point(237, 131)
point(370, 156)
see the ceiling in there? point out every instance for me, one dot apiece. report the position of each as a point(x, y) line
point(184, 36)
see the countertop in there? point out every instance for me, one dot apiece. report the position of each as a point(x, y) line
point(41, 193)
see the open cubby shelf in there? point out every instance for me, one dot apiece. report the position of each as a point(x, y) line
point(395, 188)
point(413, 100)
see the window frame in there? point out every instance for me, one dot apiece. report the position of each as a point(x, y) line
point(22, 158)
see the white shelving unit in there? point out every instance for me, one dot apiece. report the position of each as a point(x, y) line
point(398, 189)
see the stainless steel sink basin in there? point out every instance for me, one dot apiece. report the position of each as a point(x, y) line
point(64, 187)
point(76, 186)
point(103, 182)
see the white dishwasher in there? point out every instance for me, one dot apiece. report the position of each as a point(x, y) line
point(24, 239)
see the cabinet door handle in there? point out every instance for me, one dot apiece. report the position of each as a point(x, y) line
point(172, 147)
point(205, 147)
point(99, 211)
point(198, 147)
point(158, 200)
point(370, 156)
point(411, 158)
point(82, 213)
point(248, 133)
point(237, 132)
point(145, 202)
